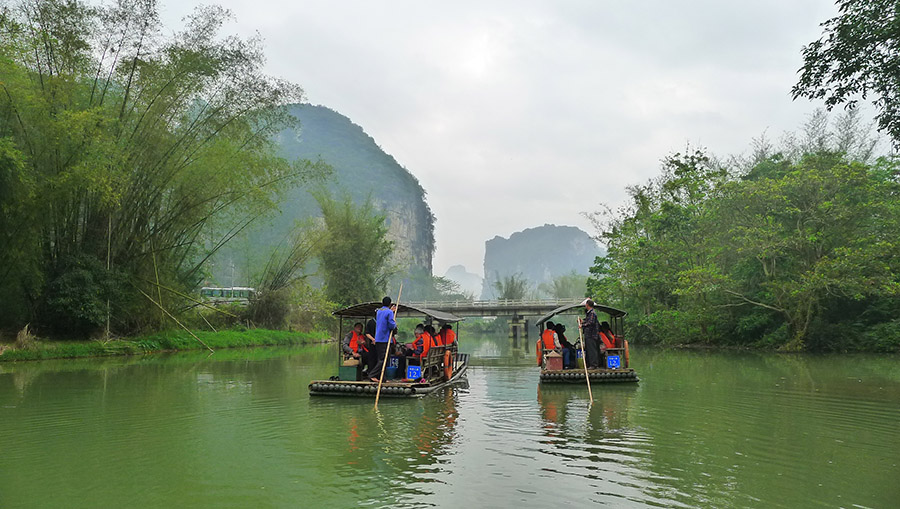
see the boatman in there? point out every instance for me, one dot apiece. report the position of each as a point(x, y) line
point(591, 329)
point(384, 325)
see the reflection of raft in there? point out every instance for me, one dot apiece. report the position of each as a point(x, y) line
point(392, 388)
point(597, 375)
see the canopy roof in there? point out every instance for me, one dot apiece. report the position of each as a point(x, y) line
point(367, 310)
point(613, 312)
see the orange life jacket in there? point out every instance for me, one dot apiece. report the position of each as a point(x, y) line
point(450, 337)
point(606, 341)
point(438, 340)
point(547, 339)
point(357, 343)
point(426, 343)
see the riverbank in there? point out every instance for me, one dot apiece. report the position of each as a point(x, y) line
point(167, 341)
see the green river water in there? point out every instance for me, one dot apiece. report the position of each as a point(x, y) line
point(238, 429)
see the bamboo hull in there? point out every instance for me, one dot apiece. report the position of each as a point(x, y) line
point(597, 376)
point(388, 389)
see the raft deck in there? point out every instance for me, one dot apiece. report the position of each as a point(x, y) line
point(597, 375)
point(390, 388)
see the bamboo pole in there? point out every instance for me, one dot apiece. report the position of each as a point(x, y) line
point(188, 297)
point(587, 376)
point(386, 356)
point(175, 319)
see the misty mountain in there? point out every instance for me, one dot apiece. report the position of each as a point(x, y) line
point(539, 254)
point(362, 170)
point(468, 282)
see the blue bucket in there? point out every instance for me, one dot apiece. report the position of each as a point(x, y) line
point(390, 373)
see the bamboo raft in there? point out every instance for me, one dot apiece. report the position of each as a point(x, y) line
point(392, 388)
point(619, 372)
point(626, 375)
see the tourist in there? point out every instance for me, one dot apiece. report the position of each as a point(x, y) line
point(607, 336)
point(417, 346)
point(568, 351)
point(550, 339)
point(448, 335)
point(591, 330)
point(384, 327)
point(352, 342)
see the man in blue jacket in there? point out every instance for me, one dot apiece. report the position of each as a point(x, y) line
point(384, 325)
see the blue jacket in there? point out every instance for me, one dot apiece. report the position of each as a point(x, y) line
point(384, 324)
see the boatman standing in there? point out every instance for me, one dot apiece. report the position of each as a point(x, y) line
point(384, 324)
point(591, 329)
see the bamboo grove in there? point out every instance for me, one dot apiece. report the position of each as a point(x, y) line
point(127, 157)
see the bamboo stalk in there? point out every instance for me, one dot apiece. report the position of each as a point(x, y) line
point(175, 319)
point(386, 356)
point(188, 297)
point(587, 376)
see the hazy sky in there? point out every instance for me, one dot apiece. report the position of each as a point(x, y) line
point(514, 114)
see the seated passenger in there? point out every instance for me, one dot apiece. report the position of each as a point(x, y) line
point(549, 338)
point(354, 345)
point(417, 346)
point(607, 336)
point(568, 351)
point(448, 335)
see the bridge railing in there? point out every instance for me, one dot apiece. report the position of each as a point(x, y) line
point(493, 304)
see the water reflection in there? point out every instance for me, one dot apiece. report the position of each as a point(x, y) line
point(711, 429)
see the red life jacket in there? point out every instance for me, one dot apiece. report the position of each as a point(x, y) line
point(450, 337)
point(606, 341)
point(547, 339)
point(438, 339)
point(357, 343)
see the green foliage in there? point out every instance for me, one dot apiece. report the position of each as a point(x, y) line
point(857, 57)
point(422, 286)
point(797, 255)
point(566, 286)
point(162, 341)
point(354, 255)
point(81, 294)
point(123, 146)
point(512, 287)
point(284, 271)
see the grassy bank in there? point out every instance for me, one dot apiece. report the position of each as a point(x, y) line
point(159, 342)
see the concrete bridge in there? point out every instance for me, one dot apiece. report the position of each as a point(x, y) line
point(517, 309)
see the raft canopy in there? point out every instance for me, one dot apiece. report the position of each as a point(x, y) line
point(367, 310)
point(613, 312)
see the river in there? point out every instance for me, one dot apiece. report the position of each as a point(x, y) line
point(238, 429)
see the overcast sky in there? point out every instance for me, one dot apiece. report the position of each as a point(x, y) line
point(514, 114)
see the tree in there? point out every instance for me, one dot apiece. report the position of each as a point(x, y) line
point(566, 286)
point(142, 152)
point(355, 252)
point(512, 287)
point(795, 249)
point(283, 273)
point(858, 55)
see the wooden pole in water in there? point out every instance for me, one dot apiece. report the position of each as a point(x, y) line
point(387, 357)
point(587, 377)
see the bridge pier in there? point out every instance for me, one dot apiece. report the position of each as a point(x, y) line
point(518, 329)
